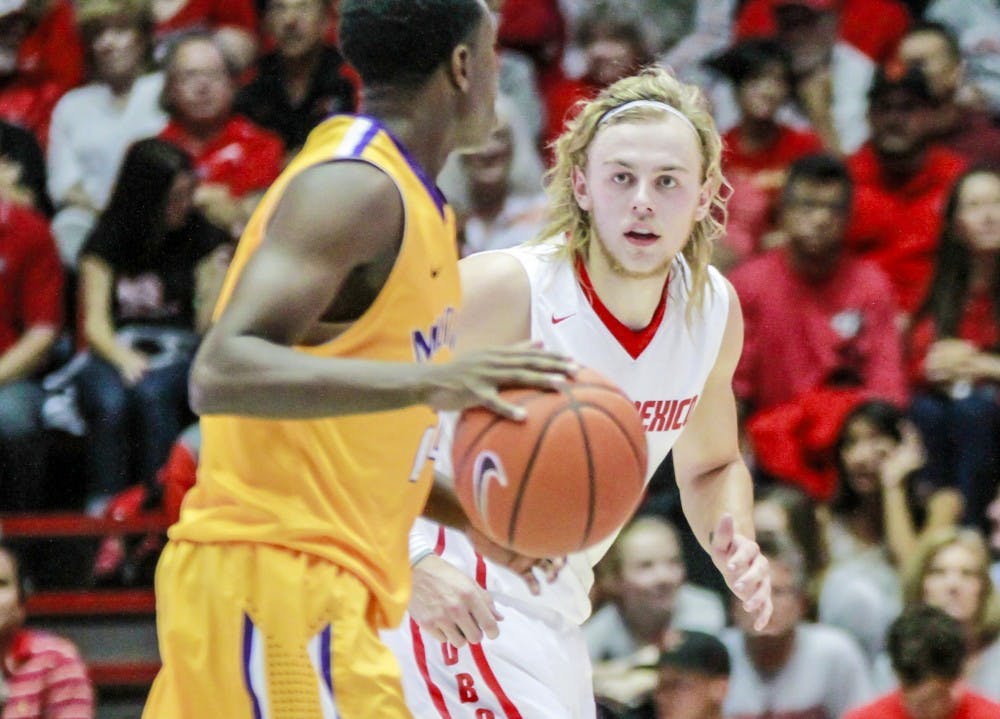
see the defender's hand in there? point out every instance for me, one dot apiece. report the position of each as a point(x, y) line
point(744, 568)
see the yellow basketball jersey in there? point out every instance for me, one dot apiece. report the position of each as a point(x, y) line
point(344, 488)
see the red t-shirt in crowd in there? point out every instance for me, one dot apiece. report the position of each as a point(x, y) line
point(209, 14)
point(31, 277)
point(971, 706)
point(898, 226)
point(801, 333)
point(243, 156)
point(27, 100)
point(873, 26)
point(54, 48)
point(789, 146)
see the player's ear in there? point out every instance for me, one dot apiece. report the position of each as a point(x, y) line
point(708, 190)
point(580, 190)
point(458, 67)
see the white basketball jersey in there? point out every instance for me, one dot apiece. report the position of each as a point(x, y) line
point(664, 378)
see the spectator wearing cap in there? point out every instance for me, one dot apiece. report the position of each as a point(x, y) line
point(966, 129)
point(93, 125)
point(758, 150)
point(793, 668)
point(27, 95)
point(902, 180)
point(927, 649)
point(692, 678)
point(304, 80)
point(872, 26)
point(815, 316)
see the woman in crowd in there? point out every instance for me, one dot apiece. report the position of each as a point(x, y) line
point(954, 347)
point(883, 505)
point(950, 571)
point(140, 274)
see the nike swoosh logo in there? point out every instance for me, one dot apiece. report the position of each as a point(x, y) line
point(557, 320)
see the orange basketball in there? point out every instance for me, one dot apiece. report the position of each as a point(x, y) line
point(560, 481)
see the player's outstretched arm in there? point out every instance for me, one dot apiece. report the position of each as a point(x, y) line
point(715, 485)
point(332, 219)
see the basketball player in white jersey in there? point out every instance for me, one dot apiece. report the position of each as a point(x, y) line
point(622, 285)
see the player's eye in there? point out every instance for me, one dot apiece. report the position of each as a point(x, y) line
point(667, 181)
point(620, 178)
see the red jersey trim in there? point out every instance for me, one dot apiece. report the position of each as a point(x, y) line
point(632, 341)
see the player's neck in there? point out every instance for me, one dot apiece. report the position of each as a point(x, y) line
point(633, 301)
point(415, 120)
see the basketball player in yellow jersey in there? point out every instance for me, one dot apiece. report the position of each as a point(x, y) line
point(317, 385)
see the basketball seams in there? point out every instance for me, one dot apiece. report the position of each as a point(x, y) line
point(637, 452)
point(591, 480)
point(526, 477)
point(492, 423)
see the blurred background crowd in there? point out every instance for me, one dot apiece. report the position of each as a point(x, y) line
point(862, 150)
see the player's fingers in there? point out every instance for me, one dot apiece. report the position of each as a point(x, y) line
point(451, 633)
point(750, 581)
point(763, 607)
point(468, 626)
point(742, 555)
point(492, 401)
point(552, 567)
point(534, 586)
point(485, 617)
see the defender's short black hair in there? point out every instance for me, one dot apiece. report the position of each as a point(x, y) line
point(925, 643)
point(402, 42)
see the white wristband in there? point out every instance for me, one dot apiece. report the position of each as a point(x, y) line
point(420, 545)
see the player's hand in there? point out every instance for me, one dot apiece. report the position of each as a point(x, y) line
point(744, 568)
point(450, 606)
point(475, 378)
point(517, 563)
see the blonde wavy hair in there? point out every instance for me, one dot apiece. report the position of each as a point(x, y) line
point(987, 620)
point(570, 152)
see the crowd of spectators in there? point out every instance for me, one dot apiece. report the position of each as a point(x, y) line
point(862, 150)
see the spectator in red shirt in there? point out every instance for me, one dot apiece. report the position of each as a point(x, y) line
point(954, 346)
point(815, 316)
point(30, 317)
point(927, 649)
point(968, 130)
point(27, 95)
point(43, 674)
point(757, 151)
point(902, 180)
point(236, 159)
point(54, 48)
point(872, 26)
point(232, 22)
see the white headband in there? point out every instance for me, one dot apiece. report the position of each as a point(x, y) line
point(647, 103)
